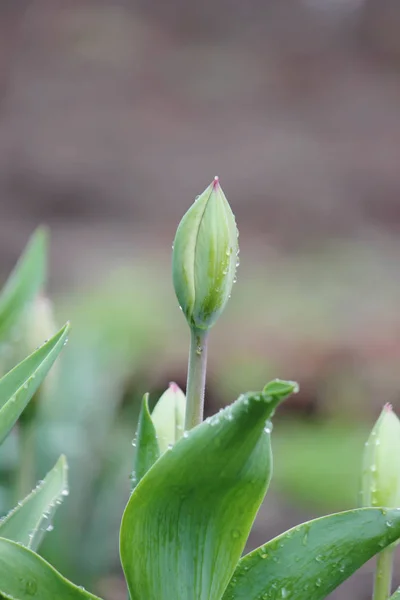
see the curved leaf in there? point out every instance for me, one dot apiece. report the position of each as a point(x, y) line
point(28, 522)
point(24, 283)
point(147, 450)
point(25, 575)
point(309, 561)
point(19, 385)
point(186, 523)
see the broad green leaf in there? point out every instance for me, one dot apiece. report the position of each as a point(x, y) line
point(25, 575)
point(19, 385)
point(396, 595)
point(147, 450)
point(25, 281)
point(309, 561)
point(28, 522)
point(186, 523)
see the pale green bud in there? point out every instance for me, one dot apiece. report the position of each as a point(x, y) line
point(381, 462)
point(168, 417)
point(40, 325)
point(205, 257)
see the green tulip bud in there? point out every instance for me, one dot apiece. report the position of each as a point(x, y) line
point(381, 464)
point(205, 257)
point(168, 417)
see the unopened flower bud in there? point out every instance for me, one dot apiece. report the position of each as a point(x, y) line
point(205, 257)
point(381, 463)
point(168, 416)
point(40, 325)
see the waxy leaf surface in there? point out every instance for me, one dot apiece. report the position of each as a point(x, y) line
point(28, 522)
point(309, 561)
point(25, 281)
point(147, 450)
point(19, 385)
point(24, 575)
point(186, 523)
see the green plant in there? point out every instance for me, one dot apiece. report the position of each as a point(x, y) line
point(196, 489)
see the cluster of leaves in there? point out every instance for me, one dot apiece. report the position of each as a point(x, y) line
point(193, 505)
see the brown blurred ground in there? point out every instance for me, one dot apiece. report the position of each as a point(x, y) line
point(113, 115)
point(119, 112)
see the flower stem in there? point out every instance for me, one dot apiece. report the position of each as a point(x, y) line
point(196, 380)
point(383, 575)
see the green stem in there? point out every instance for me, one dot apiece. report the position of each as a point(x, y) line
point(383, 575)
point(196, 381)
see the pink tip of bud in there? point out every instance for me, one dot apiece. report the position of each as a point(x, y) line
point(174, 387)
point(216, 181)
point(388, 407)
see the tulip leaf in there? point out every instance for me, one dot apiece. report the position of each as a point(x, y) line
point(396, 595)
point(19, 385)
point(25, 281)
point(309, 561)
point(147, 450)
point(28, 522)
point(187, 521)
point(25, 575)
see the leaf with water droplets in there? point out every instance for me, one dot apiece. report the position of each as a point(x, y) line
point(147, 450)
point(25, 281)
point(28, 522)
point(186, 523)
point(311, 560)
point(19, 385)
point(24, 575)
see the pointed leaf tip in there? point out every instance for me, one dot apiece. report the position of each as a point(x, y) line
point(28, 522)
point(211, 483)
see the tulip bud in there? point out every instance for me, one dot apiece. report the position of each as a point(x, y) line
point(381, 464)
point(40, 325)
point(205, 257)
point(168, 416)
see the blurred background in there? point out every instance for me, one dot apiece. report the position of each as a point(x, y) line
point(113, 116)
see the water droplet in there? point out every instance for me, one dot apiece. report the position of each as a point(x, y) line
point(65, 492)
point(30, 587)
point(389, 524)
point(319, 558)
point(50, 527)
point(235, 533)
point(318, 582)
point(199, 350)
point(285, 593)
point(185, 434)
